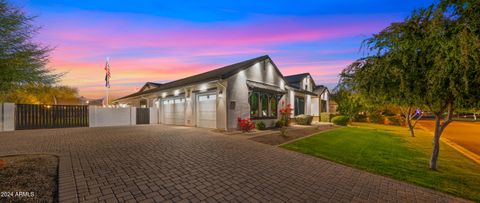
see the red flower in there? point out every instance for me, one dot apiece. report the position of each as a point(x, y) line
point(245, 125)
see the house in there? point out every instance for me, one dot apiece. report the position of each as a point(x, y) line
point(253, 89)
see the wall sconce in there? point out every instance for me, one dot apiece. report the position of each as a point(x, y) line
point(220, 93)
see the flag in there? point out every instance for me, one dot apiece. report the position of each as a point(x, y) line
point(107, 74)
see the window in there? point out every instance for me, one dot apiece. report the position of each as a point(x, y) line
point(273, 107)
point(253, 100)
point(299, 105)
point(264, 100)
point(263, 105)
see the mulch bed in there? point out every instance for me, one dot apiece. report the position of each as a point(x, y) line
point(294, 132)
point(29, 178)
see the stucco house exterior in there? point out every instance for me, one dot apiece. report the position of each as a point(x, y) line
point(254, 89)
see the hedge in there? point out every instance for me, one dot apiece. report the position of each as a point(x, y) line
point(340, 120)
point(260, 125)
point(395, 120)
point(326, 117)
point(376, 118)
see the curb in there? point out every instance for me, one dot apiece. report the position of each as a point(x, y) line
point(465, 152)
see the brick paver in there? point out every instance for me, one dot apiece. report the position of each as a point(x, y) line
point(164, 163)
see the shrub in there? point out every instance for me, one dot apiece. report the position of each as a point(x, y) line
point(376, 118)
point(395, 120)
point(341, 120)
point(245, 124)
point(360, 118)
point(304, 119)
point(326, 117)
point(280, 123)
point(260, 125)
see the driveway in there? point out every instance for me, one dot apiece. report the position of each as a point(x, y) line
point(159, 163)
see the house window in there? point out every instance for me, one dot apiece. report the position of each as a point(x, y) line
point(299, 105)
point(253, 100)
point(273, 107)
point(264, 100)
point(263, 105)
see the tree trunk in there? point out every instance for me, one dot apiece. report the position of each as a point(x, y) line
point(408, 118)
point(436, 143)
point(410, 126)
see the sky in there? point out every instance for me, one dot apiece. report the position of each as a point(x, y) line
point(162, 41)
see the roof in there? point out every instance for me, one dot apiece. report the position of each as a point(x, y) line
point(220, 73)
point(154, 83)
point(148, 84)
point(320, 89)
point(294, 80)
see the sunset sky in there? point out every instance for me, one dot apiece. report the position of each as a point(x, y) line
point(161, 41)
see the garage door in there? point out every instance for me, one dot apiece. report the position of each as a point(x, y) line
point(207, 111)
point(174, 111)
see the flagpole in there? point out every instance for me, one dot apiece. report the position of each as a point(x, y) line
point(107, 86)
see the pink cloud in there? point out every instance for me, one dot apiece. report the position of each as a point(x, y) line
point(146, 48)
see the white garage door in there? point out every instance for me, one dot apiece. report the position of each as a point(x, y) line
point(174, 111)
point(207, 111)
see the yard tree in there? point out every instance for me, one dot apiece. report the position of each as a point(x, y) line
point(389, 86)
point(22, 61)
point(349, 103)
point(430, 59)
point(42, 94)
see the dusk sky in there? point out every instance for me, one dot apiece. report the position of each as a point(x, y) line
point(161, 41)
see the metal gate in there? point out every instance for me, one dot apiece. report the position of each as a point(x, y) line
point(143, 116)
point(37, 116)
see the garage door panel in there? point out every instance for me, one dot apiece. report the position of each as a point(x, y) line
point(174, 111)
point(207, 111)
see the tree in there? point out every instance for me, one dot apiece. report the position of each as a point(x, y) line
point(42, 94)
point(430, 59)
point(389, 86)
point(22, 61)
point(349, 103)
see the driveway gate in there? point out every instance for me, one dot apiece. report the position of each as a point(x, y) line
point(37, 116)
point(143, 116)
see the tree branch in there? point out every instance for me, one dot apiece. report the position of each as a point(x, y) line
point(448, 119)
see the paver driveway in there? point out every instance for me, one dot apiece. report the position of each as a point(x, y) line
point(160, 163)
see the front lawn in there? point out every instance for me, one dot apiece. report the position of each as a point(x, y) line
point(390, 151)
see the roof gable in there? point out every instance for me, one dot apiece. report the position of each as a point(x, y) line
point(149, 85)
point(294, 80)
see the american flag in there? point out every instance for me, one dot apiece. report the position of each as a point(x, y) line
point(107, 74)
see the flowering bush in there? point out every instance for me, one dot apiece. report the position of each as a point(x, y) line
point(285, 113)
point(245, 124)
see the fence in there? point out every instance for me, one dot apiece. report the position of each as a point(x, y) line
point(38, 116)
point(31, 116)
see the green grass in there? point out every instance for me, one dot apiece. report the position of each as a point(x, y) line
point(390, 151)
